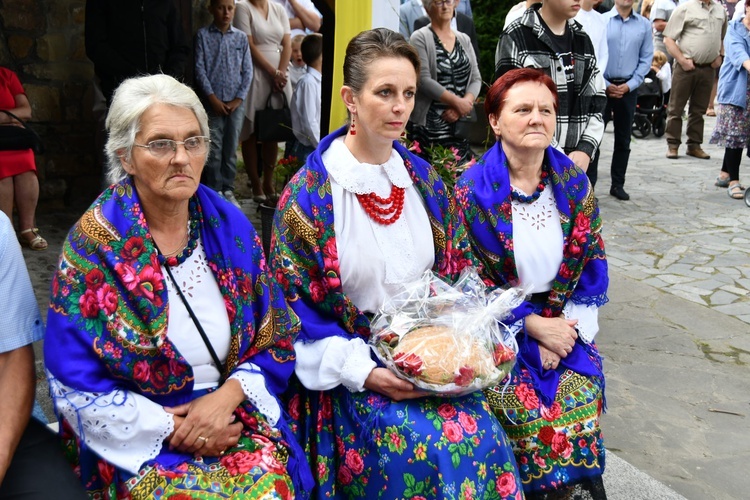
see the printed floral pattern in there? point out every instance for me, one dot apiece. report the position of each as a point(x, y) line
point(554, 428)
point(109, 301)
point(414, 439)
point(568, 447)
point(363, 445)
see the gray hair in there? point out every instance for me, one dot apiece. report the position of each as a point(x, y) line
point(427, 4)
point(134, 97)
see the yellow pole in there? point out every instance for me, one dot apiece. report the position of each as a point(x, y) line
point(352, 17)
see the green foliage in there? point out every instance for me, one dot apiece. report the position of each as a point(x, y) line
point(444, 160)
point(489, 17)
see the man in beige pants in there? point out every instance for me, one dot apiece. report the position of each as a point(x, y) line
point(693, 36)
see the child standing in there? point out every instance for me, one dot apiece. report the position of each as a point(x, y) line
point(223, 71)
point(297, 66)
point(306, 99)
point(663, 73)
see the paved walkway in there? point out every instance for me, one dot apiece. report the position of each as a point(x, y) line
point(675, 335)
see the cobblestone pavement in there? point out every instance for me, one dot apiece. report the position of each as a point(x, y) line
point(679, 233)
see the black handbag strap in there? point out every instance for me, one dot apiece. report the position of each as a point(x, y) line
point(14, 117)
point(283, 95)
point(40, 147)
point(211, 350)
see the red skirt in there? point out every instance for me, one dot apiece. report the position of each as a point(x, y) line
point(13, 163)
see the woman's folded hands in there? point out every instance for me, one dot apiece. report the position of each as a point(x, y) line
point(556, 334)
point(206, 425)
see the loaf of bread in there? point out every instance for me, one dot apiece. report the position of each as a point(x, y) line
point(446, 356)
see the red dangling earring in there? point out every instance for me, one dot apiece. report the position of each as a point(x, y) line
point(352, 130)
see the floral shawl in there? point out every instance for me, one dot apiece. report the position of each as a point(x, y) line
point(107, 325)
point(483, 198)
point(304, 257)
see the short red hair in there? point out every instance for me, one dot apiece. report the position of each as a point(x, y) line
point(495, 99)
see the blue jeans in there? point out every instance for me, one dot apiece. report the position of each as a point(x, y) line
point(221, 167)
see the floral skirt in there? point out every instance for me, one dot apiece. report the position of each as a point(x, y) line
point(559, 447)
point(732, 128)
point(364, 445)
point(255, 468)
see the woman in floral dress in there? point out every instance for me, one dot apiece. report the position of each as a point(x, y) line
point(148, 407)
point(361, 217)
point(733, 123)
point(532, 217)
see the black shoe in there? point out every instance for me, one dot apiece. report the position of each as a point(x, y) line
point(619, 193)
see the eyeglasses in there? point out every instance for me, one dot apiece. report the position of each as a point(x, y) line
point(195, 146)
point(439, 3)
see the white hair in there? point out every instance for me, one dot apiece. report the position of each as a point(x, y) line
point(134, 97)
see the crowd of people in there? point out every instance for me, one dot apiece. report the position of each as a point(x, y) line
point(185, 361)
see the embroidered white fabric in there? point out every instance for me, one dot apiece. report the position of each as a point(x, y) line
point(254, 386)
point(202, 292)
point(375, 259)
point(537, 244)
point(326, 363)
point(125, 428)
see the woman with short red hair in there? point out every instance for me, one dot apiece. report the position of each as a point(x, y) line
point(532, 217)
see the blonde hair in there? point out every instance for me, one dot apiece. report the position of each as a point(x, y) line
point(660, 58)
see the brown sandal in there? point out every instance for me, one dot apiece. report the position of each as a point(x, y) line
point(37, 243)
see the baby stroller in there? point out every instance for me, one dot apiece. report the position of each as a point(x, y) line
point(650, 110)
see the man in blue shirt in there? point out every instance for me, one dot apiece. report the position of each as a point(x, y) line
point(628, 36)
point(32, 465)
point(223, 72)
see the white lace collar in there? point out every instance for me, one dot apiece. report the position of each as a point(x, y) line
point(362, 178)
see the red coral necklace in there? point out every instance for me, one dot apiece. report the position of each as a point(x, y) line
point(384, 211)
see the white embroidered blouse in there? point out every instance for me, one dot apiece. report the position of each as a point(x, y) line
point(537, 245)
point(374, 259)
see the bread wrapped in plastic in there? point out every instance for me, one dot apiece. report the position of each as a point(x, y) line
point(447, 339)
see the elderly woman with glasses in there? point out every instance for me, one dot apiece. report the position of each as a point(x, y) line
point(167, 345)
point(449, 80)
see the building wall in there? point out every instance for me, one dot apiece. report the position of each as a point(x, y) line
point(43, 42)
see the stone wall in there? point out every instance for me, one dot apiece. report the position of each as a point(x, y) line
point(43, 42)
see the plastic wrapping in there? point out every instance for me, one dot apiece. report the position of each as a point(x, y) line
point(447, 339)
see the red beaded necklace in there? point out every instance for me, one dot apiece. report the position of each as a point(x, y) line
point(384, 211)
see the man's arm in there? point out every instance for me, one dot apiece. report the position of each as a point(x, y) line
point(507, 53)
point(645, 58)
point(311, 19)
point(593, 132)
point(17, 381)
point(674, 51)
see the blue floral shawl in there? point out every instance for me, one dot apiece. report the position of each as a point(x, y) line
point(304, 257)
point(107, 325)
point(483, 199)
